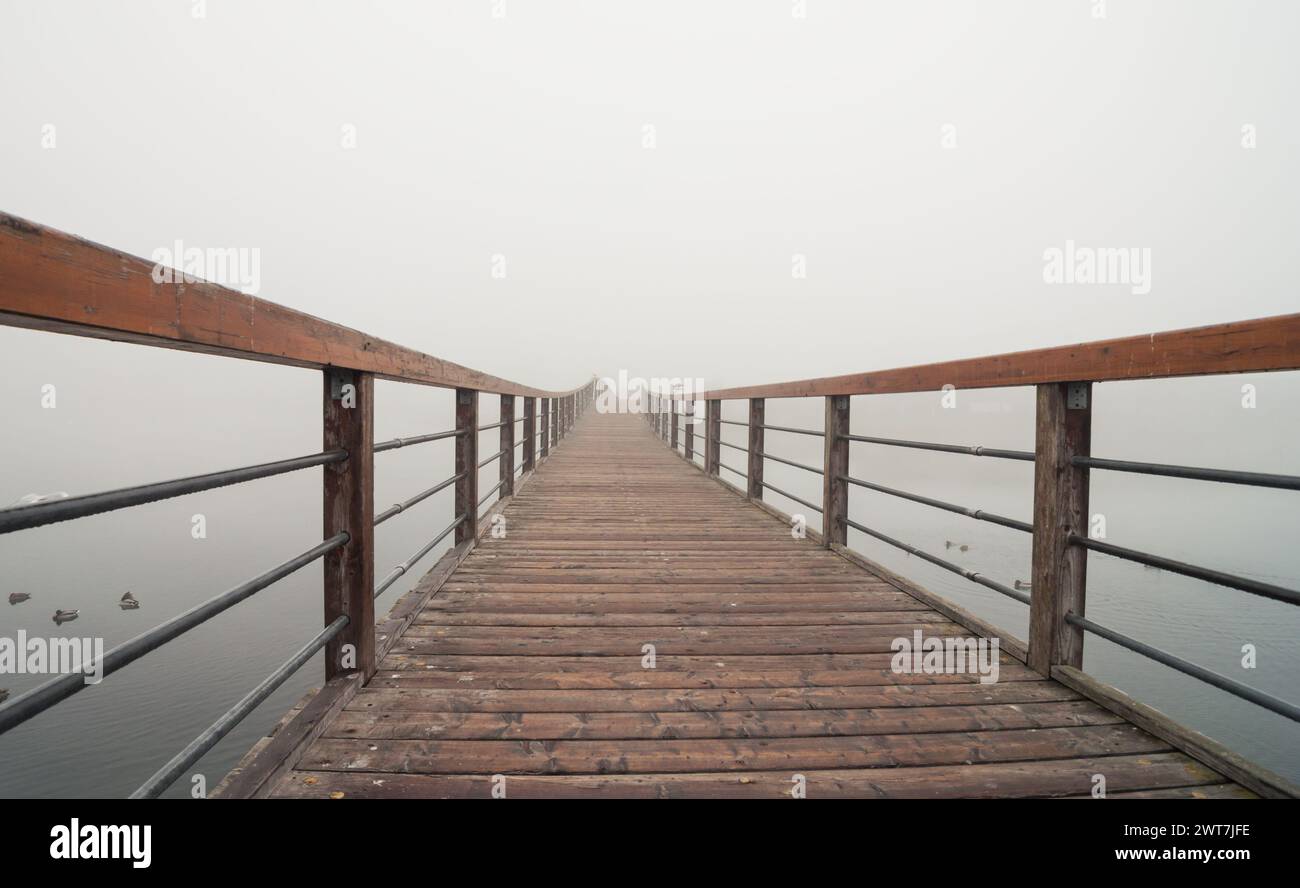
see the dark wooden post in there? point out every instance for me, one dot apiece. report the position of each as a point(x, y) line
point(546, 427)
point(835, 465)
point(688, 439)
point(672, 434)
point(349, 495)
point(530, 433)
point(466, 463)
point(755, 473)
point(712, 435)
point(1064, 431)
point(507, 461)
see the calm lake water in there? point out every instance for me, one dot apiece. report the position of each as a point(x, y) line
point(116, 424)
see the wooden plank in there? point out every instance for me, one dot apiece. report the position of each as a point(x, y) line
point(349, 507)
point(1055, 778)
point(1253, 346)
point(1059, 570)
point(711, 725)
point(790, 754)
point(56, 282)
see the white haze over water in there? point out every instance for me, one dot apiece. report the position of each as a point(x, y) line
point(485, 144)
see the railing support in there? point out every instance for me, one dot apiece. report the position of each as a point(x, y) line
point(672, 427)
point(712, 435)
point(1059, 570)
point(835, 466)
point(546, 427)
point(349, 497)
point(530, 433)
point(467, 463)
point(754, 474)
point(689, 438)
point(507, 460)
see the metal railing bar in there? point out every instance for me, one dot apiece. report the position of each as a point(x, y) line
point(733, 446)
point(739, 472)
point(790, 462)
point(40, 514)
point(777, 428)
point(733, 422)
point(497, 455)
point(43, 696)
point(977, 514)
point(791, 496)
point(1226, 476)
point(1222, 682)
point(488, 496)
point(199, 746)
point(1232, 581)
point(495, 425)
point(398, 508)
point(398, 443)
point(939, 562)
point(406, 565)
point(1027, 455)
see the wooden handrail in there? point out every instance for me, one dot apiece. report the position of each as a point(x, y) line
point(54, 281)
point(1259, 345)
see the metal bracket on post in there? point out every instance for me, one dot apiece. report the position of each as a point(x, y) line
point(1076, 395)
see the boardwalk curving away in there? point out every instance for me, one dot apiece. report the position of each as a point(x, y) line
point(772, 661)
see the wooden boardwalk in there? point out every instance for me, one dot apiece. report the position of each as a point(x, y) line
point(525, 671)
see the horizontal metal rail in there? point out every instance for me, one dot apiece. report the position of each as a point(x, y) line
point(977, 514)
point(1226, 476)
point(424, 550)
point(739, 472)
point(199, 746)
point(398, 443)
point(40, 514)
point(791, 496)
point(398, 508)
point(488, 495)
point(793, 431)
point(1222, 682)
point(733, 446)
point(939, 562)
point(1232, 581)
point(42, 697)
point(495, 425)
point(1027, 455)
point(497, 455)
point(733, 422)
point(790, 462)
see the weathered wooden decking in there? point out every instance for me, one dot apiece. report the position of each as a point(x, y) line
point(772, 660)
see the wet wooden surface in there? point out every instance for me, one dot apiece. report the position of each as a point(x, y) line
point(526, 673)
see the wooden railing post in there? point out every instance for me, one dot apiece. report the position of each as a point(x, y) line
point(546, 427)
point(688, 407)
point(507, 461)
point(530, 433)
point(835, 466)
point(1059, 570)
point(672, 433)
point(349, 494)
point(754, 475)
point(712, 435)
point(466, 463)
